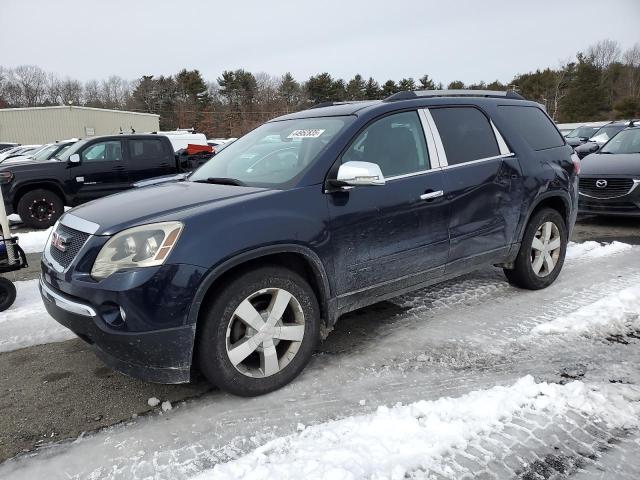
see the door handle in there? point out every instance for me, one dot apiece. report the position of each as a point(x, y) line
point(431, 195)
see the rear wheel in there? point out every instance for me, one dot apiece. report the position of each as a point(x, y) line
point(260, 332)
point(7, 294)
point(40, 208)
point(542, 251)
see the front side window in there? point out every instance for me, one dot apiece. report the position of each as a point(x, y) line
point(466, 134)
point(396, 143)
point(625, 142)
point(103, 152)
point(274, 154)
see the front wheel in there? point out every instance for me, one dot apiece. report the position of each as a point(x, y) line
point(40, 208)
point(542, 251)
point(259, 332)
point(7, 293)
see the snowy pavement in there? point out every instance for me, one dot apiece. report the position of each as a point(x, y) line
point(434, 349)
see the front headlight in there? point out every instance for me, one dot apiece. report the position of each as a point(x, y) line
point(144, 246)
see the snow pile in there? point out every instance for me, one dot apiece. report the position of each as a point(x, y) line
point(394, 441)
point(27, 322)
point(591, 249)
point(33, 242)
point(616, 314)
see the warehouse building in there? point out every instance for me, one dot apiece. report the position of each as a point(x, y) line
point(38, 125)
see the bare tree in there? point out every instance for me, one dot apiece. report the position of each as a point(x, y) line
point(631, 59)
point(114, 92)
point(91, 97)
point(29, 84)
point(604, 53)
point(560, 87)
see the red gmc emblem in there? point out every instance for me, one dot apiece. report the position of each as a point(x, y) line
point(59, 241)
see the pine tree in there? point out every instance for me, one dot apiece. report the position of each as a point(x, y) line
point(372, 90)
point(426, 83)
point(356, 88)
point(389, 88)
point(456, 85)
point(407, 85)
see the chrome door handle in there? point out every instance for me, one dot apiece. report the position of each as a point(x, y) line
point(431, 195)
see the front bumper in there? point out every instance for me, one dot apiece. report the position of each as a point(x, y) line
point(627, 205)
point(154, 341)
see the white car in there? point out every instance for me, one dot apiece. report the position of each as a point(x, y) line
point(16, 151)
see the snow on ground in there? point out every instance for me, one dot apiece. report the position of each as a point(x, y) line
point(393, 442)
point(616, 314)
point(27, 322)
point(33, 242)
point(591, 249)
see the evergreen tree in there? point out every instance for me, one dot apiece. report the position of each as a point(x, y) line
point(321, 88)
point(456, 85)
point(407, 85)
point(586, 98)
point(289, 90)
point(426, 83)
point(372, 90)
point(389, 88)
point(356, 88)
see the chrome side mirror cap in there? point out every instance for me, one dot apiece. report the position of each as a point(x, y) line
point(359, 174)
point(74, 158)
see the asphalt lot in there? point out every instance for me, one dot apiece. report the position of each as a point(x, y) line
point(56, 392)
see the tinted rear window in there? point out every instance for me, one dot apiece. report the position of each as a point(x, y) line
point(466, 134)
point(534, 126)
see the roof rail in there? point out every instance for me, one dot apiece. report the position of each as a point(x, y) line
point(331, 104)
point(408, 95)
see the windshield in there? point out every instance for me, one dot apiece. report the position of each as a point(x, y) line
point(45, 152)
point(627, 141)
point(605, 133)
point(582, 132)
point(273, 154)
point(64, 154)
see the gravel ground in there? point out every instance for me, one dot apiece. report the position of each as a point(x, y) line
point(465, 329)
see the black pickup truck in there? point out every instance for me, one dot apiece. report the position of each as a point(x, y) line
point(90, 169)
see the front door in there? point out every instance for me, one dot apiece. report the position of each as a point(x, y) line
point(102, 171)
point(392, 236)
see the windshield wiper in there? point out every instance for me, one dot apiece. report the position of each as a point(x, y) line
point(221, 181)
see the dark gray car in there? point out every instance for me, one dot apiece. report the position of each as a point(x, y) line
point(610, 177)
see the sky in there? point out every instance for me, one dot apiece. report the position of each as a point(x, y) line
point(448, 40)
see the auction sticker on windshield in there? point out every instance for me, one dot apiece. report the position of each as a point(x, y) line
point(306, 133)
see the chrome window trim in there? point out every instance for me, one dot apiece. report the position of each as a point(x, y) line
point(479, 160)
point(434, 160)
point(442, 155)
point(412, 174)
point(65, 304)
point(73, 221)
point(502, 145)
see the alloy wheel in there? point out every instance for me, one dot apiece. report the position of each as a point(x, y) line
point(41, 209)
point(265, 332)
point(545, 249)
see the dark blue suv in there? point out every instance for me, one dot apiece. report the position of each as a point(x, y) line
point(236, 270)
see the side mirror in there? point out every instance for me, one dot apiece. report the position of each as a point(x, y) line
point(359, 174)
point(74, 158)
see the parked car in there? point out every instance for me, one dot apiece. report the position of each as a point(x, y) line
point(236, 270)
point(581, 134)
point(4, 146)
point(602, 136)
point(180, 139)
point(44, 153)
point(89, 169)
point(610, 177)
point(17, 151)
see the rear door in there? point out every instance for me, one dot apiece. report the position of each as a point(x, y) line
point(102, 171)
point(482, 182)
point(392, 236)
point(149, 157)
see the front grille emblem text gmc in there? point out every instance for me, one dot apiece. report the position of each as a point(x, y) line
point(59, 241)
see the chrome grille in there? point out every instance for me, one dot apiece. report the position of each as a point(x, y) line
point(615, 187)
point(75, 241)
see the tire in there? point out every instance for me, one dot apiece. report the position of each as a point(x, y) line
point(222, 331)
point(524, 274)
point(7, 294)
point(40, 208)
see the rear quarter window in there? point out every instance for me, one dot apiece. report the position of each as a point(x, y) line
point(533, 125)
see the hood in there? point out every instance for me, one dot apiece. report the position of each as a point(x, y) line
point(18, 159)
point(611, 164)
point(26, 164)
point(167, 201)
point(575, 141)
